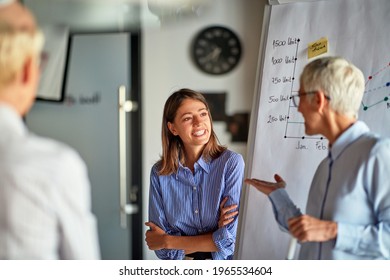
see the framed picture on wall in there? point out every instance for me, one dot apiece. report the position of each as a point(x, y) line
point(238, 126)
point(217, 105)
point(53, 63)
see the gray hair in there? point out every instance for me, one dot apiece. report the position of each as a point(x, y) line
point(339, 79)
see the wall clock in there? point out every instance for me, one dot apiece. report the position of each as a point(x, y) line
point(216, 50)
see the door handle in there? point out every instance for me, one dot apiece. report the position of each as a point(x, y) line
point(125, 106)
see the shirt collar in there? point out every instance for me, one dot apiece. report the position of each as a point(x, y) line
point(204, 164)
point(10, 121)
point(348, 137)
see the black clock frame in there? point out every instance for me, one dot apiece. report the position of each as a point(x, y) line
point(216, 50)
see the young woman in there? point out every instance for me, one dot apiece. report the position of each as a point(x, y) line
point(195, 186)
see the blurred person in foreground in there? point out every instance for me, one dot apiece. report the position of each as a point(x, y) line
point(44, 188)
point(348, 208)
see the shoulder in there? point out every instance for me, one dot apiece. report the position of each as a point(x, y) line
point(155, 171)
point(48, 166)
point(232, 155)
point(156, 167)
point(381, 146)
point(52, 154)
point(373, 144)
point(50, 146)
point(231, 158)
point(370, 150)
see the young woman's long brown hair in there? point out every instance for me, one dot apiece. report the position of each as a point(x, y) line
point(172, 145)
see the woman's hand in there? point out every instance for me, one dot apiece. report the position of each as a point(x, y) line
point(156, 238)
point(266, 187)
point(226, 217)
point(306, 228)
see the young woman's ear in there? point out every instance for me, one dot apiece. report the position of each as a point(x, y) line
point(171, 128)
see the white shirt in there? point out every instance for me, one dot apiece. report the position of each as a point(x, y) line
point(44, 197)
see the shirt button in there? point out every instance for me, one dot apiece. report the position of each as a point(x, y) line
point(194, 188)
point(196, 211)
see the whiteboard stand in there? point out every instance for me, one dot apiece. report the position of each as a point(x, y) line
point(291, 248)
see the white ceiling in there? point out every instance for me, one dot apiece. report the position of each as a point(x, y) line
point(101, 15)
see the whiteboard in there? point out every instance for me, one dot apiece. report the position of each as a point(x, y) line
point(356, 30)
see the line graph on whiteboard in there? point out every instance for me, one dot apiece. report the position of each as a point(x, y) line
point(377, 93)
point(289, 59)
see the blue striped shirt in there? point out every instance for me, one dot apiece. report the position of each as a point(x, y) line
point(187, 204)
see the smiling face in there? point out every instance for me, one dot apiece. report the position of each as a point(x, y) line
point(192, 124)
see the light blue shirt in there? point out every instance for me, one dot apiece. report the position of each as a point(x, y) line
point(187, 204)
point(351, 187)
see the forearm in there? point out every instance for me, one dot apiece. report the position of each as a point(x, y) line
point(197, 243)
point(283, 208)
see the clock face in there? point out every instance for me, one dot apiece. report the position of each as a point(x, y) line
point(216, 50)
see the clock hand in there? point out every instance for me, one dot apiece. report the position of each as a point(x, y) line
point(214, 54)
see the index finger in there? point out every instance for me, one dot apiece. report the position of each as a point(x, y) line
point(228, 208)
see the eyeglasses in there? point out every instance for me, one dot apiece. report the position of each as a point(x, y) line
point(296, 97)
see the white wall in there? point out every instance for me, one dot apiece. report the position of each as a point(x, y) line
point(166, 61)
point(167, 66)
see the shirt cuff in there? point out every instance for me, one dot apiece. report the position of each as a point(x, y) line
point(281, 201)
point(224, 242)
point(219, 236)
point(346, 237)
point(283, 207)
point(279, 198)
point(168, 254)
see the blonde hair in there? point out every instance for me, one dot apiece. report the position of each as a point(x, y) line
point(15, 47)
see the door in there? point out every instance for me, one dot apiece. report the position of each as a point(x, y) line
point(104, 130)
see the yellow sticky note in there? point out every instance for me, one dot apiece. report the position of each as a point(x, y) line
point(318, 47)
